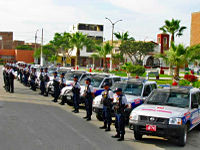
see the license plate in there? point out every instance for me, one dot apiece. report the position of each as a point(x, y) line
point(151, 128)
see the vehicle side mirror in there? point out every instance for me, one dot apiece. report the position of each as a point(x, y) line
point(195, 105)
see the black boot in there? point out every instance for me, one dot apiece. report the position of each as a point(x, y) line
point(121, 138)
point(116, 136)
point(89, 118)
point(103, 127)
point(85, 117)
point(76, 111)
point(108, 129)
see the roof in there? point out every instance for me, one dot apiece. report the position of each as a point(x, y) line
point(178, 89)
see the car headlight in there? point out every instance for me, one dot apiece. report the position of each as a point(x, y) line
point(134, 117)
point(175, 121)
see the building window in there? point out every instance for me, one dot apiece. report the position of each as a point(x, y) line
point(90, 27)
point(159, 40)
point(165, 40)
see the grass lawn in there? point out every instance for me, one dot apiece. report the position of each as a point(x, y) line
point(162, 81)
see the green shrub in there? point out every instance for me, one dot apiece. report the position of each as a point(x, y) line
point(184, 83)
point(134, 69)
point(196, 84)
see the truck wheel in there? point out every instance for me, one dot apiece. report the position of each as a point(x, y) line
point(137, 136)
point(99, 116)
point(183, 136)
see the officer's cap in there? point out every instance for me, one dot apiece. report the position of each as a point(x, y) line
point(55, 72)
point(106, 84)
point(63, 74)
point(75, 76)
point(88, 79)
point(118, 90)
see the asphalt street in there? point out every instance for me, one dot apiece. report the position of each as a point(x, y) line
point(29, 121)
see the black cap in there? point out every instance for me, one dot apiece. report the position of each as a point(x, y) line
point(118, 90)
point(46, 68)
point(106, 84)
point(63, 74)
point(75, 76)
point(41, 68)
point(88, 79)
point(56, 72)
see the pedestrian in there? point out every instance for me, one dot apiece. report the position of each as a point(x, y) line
point(76, 94)
point(46, 80)
point(120, 104)
point(56, 85)
point(11, 79)
point(62, 85)
point(42, 84)
point(7, 80)
point(88, 95)
point(33, 77)
point(107, 100)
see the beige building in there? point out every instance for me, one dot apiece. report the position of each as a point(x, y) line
point(195, 29)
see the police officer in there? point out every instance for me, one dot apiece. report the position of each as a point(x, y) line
point(26, 74)
point(120, 103)
point(46, 80)
point(88, 94)
point(11, 79)
point(76, 94)
point(62, 85)
point(7, 80)
point(33, 77)
point(42, 84)
point(107, 99)
point(56, 85)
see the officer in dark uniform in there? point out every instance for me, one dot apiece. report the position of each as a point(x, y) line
point(42, 84)
point(107, 100)
point(11, 79)
point(33, 77)
point(4, 75)
point(46, 80)
point(62, 85)
point(7, 84)
point(120, 103)
point(88, 94)
point(56, 85)
point(76, 94)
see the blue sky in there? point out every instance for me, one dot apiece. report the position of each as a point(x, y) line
point(142, 18)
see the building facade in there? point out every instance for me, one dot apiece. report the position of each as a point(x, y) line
point(195, 29)
point(6, 40)
point(93, 31)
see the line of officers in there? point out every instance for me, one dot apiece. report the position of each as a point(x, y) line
point(28, 77)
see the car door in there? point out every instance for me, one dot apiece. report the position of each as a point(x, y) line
point(194, 109)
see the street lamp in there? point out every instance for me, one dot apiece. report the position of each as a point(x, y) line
point(113, 25)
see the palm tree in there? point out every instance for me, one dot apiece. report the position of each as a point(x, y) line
point(173, 27)
point(123, 36)
point(79, 40)
point(178, 56)
point(103, 51)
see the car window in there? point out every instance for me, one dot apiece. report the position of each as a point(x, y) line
point(175, 99)
point(198, 97)
point(153, 86)
point(194, 98)
point(147, 90)
point(116, 79)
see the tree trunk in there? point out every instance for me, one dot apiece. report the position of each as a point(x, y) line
point(176, 73)
point(172, 39)
point(77, 58)
point(93, 59)
point(170, 70)
point(105, 65)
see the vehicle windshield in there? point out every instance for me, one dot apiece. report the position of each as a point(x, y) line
point(95, 81)
point(129, 88)
point(70, 76)
point(176, 99)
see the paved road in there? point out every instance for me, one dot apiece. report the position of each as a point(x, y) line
point(29, 121)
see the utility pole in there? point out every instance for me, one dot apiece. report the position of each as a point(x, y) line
point(41, 54)
point(36, 40)
point(113, 26)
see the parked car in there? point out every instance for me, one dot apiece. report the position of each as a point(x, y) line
point(169, 113)
point(97, 81)
point(136, 91)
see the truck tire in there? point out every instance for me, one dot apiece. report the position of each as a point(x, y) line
point(137, 136)
point(99, 116)
point(183, 136)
